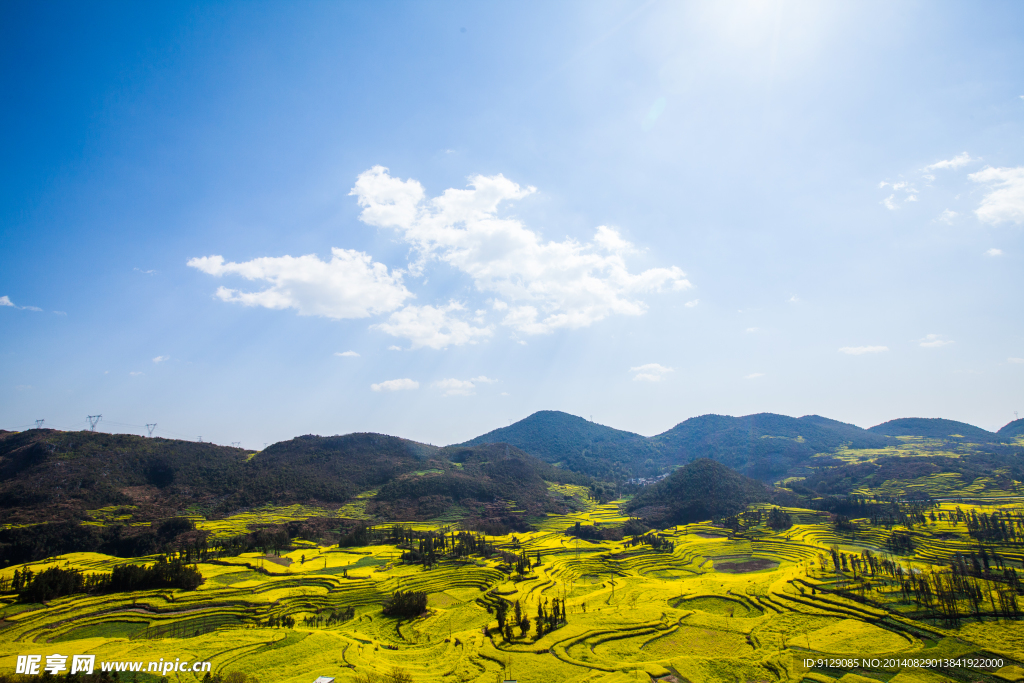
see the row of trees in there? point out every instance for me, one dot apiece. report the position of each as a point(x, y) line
point(56, 582)
point(963, 588)
point(550, 616)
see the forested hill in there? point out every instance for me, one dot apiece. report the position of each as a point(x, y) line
point(765, 446)
point(1012, 430)
point(935, 428)
point(703, 489)
point(48, 475)
point(576, 444)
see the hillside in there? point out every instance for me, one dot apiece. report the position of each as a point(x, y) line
point(47, 474)
point(933, 428)
point(1012, 429)
point(485, 480)
point(702, 490)
point(765, 446)
point(577, 444)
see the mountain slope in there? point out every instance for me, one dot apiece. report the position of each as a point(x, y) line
point(699, 491)
point(575, 443)
point(1012, 429)
point(475, 476)
point(932, 427)
point(764, 446)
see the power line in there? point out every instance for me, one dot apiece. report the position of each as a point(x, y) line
point(93, 419)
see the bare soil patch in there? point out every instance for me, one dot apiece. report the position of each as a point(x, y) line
point(744, 566)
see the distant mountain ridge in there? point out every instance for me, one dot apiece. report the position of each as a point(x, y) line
point(933, 427)
point(765, 446)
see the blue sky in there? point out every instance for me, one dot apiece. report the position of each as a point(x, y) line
point(248, 221)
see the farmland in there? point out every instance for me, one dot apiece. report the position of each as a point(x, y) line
point(747, 603)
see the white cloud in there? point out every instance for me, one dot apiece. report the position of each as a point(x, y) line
point(956, 162)
point(394, 348)
point(889, 203)
point(6, 301)
point(1015, 360)
point(994, 252)
point(346, 354)
point(136, 374)
point(691, 304)
point(462, 387)
point(405, 384)
point(860, 350)
point(547, 285)
point(1005, 200)
point(161, 359)
point(934, 341)
point(32, 308)
point(751, 330)
point(434, 327)
point(350, 285)
point(754, 375)
point(794, 299)
point(948, 215)
point(652, 372)
point(144, 272)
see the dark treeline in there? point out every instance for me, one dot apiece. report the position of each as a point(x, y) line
point(430, 547)
point(321, 619)
point(974, 584)
point(550, 616)
point(654, 540)
point(57, 582)
point(405, 604)
point(37, 542)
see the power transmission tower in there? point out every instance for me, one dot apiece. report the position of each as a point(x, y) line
point(39, 423)
point(236, 444)
point(151, 426)
point(200, 439)
point(93, 419)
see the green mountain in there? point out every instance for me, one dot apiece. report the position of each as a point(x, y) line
point(765, 446)
point(47, 475)
point(934, 428)
point(1012, 429)
point(577, 444)
point(702, 490)
point(476, 478)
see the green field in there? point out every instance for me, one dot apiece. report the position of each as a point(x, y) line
point(754, 605)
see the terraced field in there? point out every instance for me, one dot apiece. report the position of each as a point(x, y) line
point(756, 605)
